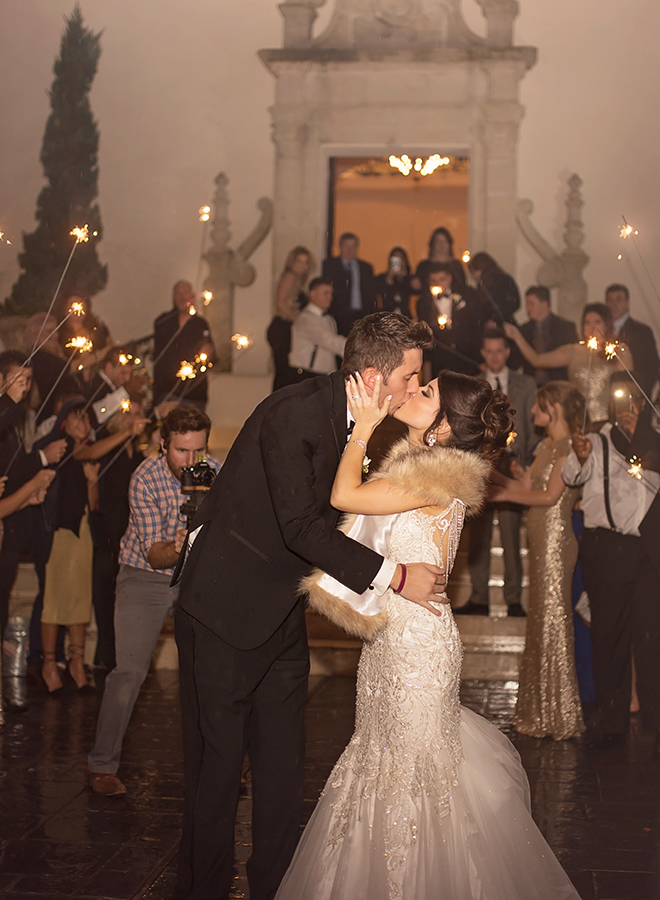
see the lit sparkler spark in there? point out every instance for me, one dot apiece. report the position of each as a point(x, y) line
point(81, 234)
point(241, 341)
point(466, 256)
point(512, 435)
point(204, 213)
point(208, 296)
point(77, 309)
point(125, 406)
point(3, 239)
point(626, 230)
point(192, 311)
point(635, 468)
point(611, 350)
point(202, 360)
point(444, 321)
point(123, 360)
point(436, 290)
point(81, 343)
point(592, 343)
point(187, 370)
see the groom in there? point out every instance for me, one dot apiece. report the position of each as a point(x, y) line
point(240, 624)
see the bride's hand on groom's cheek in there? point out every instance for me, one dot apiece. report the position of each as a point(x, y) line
point(367, 409)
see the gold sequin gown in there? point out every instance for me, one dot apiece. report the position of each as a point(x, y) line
point(429, 801)
point(548, 697)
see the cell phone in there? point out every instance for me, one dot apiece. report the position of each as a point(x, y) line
point(623, 401)
point(395, 263)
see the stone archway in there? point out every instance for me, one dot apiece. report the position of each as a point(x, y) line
point(391, 77)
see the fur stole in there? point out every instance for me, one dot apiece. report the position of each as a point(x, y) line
point(436, 476)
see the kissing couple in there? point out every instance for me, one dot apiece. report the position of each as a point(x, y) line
point(428, 800)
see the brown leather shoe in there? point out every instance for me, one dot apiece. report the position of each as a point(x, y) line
point(106, 783)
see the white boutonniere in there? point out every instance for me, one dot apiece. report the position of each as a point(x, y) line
point(458, 301)
point(366, 462)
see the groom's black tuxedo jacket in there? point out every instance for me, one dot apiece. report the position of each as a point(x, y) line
point(268, 519)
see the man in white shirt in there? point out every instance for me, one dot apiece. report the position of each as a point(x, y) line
point(617, 563)
point(521, 390)
point(315, 344)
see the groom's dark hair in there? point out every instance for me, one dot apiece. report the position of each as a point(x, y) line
point(379, 340)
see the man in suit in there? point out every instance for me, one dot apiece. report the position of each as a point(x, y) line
point(545, 331)
point(521, 391)
point(352, 279)
point(637, 336)
point(240, 625)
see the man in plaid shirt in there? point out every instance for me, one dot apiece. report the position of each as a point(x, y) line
point(149, 551)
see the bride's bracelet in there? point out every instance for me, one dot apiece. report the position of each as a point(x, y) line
point(404, 572)
point(362, 444)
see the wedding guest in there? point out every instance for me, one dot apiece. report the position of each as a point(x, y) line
point(315, 344)
point(180, 334)
point(638, 337)
point(393, 287)
point(441, 250)
point(548, 696)
point(545, 331)
point(454, 318)
point(520, 389)
point(108, 522)
point(48, 362)
point(148, 552)
point(588, 370)
point(68, 577)
point(498, 292)
point(290, 298)
point(618, 565)
point(352, 282)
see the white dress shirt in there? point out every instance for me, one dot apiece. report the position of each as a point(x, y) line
point(629, 498)
point(315, 343)
point(620, 322)
point(503, 378)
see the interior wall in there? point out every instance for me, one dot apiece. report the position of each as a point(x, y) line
point(387, 211)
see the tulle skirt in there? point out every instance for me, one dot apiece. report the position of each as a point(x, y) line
point(486, 847)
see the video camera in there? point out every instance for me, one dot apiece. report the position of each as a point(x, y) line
point(196, 482)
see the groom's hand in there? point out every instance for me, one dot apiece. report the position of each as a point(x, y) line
point(424, 583)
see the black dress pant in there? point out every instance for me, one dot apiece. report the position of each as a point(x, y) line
point(625, 615)
point(233, 702)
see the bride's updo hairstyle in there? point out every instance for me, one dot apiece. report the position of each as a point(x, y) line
point(479, 417)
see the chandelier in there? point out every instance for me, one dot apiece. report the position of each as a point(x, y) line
point(406, 165)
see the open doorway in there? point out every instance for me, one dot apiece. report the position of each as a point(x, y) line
point(385, 208)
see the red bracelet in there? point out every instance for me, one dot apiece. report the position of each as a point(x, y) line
point(403, 579)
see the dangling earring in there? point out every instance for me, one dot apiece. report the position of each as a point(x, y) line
point(431, 439)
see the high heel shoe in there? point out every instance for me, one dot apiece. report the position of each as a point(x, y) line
point(50, 673)
point(76, 654)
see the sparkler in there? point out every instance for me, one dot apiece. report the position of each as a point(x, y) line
point(187, 370)
point(512, 435)
point(635, 467)
point(241, 341)
point(627, 231)
point(466, 257)
point(125, 406)
point(204, 213)
point(207, 296)
point(82, 237)
point(204, 216)
point(444, 322)
point(81, 343)
point(3, 238)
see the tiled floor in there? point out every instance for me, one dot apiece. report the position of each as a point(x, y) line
point(58, 839)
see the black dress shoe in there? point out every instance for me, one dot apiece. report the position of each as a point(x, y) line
point(607, 741)
point(472, 609)
point(516, 610)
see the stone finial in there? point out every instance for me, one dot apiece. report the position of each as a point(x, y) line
point(299, 16)
point(500, 16)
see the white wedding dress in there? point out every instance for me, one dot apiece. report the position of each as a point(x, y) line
point(428, 801)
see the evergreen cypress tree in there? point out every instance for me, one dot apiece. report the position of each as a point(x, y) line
point(69, 157)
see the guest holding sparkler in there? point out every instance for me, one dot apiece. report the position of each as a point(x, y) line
point(589, 368)
point(180, 334)
point(441, 250)
point(617, 470)
point(68, 577)
point(108, 523)
point(548, 698)
point(498, 292)
point(88, 323)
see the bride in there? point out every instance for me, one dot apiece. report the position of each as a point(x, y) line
point(428, 801)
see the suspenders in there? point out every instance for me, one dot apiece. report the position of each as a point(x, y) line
point(606, 480)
